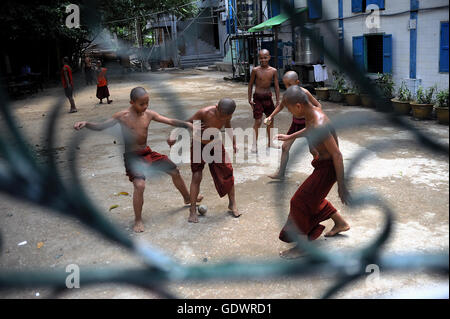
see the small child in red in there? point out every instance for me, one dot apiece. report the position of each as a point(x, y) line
point(102, 84)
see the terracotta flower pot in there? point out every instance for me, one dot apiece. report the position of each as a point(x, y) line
point(384, 105)
point(401, 107)
point(422, 111)
point(335, 96)
point(352, 99)
point(442, 114)
point(322, 94)
point(366, 101)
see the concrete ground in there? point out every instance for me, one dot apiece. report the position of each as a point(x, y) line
point(411, 179)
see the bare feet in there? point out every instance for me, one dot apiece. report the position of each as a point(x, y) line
point(272, 145)
point(337, 229)
point(276, 175)
point(188, 201)
point(292, 253)
point(193, 218)
point(234, 211)
point(138, 226)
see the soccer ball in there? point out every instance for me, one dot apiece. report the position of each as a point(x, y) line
point(202, 209)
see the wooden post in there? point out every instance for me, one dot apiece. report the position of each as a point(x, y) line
point(138, 33)
point(275, 46)
point(255, 53)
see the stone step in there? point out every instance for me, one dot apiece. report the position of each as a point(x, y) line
point(201, 57)
point(200, 60)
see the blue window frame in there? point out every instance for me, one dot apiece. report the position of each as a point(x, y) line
point(275, 6)
point(315, 9)
point(364, 61)
point(361, 5)
point(357, 5)
point(378, 3)
point(443, 49)
point(387, 53)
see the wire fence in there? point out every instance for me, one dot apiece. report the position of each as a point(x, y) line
point(22, 178)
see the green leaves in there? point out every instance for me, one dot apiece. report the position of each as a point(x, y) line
point(404, 94)
point(425, 96)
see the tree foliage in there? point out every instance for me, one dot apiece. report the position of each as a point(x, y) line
point(120, 12)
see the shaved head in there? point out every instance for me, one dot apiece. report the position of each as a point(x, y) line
point(137, 93)
point(264, 51)
point(227, 106)
point(290, 76)
point(294, 95)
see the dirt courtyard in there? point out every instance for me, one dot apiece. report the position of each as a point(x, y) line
point(413, 181)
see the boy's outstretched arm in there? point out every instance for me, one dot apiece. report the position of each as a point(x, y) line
point(284, 137)
point(174, 122)
point(173, 135)
point(98, 126)
point(277, 87)
point(336, 155)
point(250, 87)
point(274, 113)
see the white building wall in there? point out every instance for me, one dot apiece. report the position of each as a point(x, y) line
point(428, 43)
point(428, 36)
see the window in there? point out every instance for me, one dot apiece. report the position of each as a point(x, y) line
point(443, 48)
point(275, 6)
point(378, 3)
point(358, 5)
point(374, 49)
point(315, 9)
point(373, 53)
point(361, 5)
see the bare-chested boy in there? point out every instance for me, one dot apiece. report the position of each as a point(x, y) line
point(216, 117)
point(134, 122)
point(290, 78)
point(308, 206)
point(262, 76)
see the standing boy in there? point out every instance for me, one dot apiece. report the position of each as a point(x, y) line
point(67, 82)
point(263, 76)
point(212, 117)
point(308, 205)
point(88, 71)
point(290, 78)
point(134, 122)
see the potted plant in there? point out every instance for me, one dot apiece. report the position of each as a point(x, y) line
point(441, 106)
point(322, 93)
point(338, 87)
point(352, 96)
point(366, 100)
point(401, 101)
point(385, 85)
point(422, 106)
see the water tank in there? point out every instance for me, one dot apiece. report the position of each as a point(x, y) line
point(306, 52)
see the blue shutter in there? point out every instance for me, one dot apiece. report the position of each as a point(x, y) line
point(356, 5)
point(275, 8)
point(387, 53)
point(379, 3)
point(358, 52)
point(443, 54)
point(315, 9)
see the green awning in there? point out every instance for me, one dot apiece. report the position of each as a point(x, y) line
point(277, 20)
